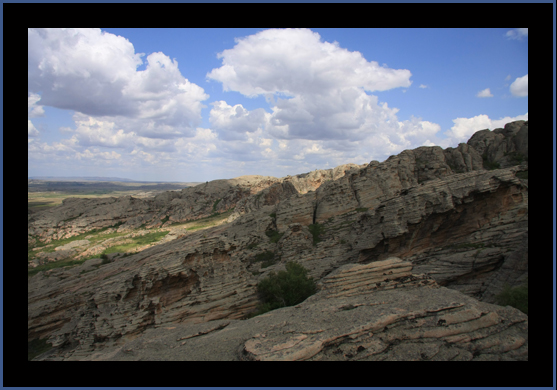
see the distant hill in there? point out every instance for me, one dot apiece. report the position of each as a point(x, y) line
point(104, 179)
point(77, 178)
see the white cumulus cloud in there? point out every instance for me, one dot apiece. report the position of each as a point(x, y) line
point(95, 73)
point(317, 90)
point(519, 87)
point(464, 128)
point(322, 112)
point(296, 61)
point(484, 93)
point(233, 122)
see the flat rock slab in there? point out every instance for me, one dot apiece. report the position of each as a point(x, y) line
point(413, 323)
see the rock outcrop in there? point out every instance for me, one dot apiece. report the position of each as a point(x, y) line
point(378, 311)
point(505, 147)
point(244, 194)
point(461, 229)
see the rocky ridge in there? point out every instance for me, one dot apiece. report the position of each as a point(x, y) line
point(77, 215)
point(378, 311)
point(460, 225)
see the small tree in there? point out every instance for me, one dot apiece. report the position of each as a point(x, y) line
point(285, 288)
point(516, 297)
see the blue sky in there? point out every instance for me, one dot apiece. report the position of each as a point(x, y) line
point(206, 104)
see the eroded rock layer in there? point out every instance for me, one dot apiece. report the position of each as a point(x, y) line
point(378, 311)
point(453, 222)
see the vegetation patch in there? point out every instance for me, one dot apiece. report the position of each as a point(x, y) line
point(522, 175)
point(316, 231)
point(37, 347)
point(105, 259)
point(148, 238)
point(362, 209)
point(215, 205)
point(516, 297)
point(263, 256)
point(165, 219)
point(274, 235)
point(285, 288)
point(31, 254)
point(252, 245)
point(55, 264)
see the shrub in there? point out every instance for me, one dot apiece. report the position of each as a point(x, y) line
point(316, 231)
point(274, 235)
point(264, 256)
point(516, 297)
point(252, 245)
point(37, 347)
point(285, 288)
point(105, 258)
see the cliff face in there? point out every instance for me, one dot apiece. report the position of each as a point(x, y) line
point(452, 221)
point(76, 215)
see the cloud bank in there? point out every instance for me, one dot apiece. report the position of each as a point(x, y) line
point(95, 73)
point(321, 110)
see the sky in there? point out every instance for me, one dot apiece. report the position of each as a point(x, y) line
point(194, 105)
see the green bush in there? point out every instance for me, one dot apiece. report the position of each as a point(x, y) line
point(264, 256)
point(274, 235)
point(215, 205)
point(316, 231)
point(285, 288)
point(252, 245)
point(516, 297)
point(105, 258)
point(37, 347)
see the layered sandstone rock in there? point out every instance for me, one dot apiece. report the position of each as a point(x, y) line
point(507, 146)
point(454, 223)
point(379, 311)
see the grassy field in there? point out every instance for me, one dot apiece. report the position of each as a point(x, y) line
point(99, 236)
point(137, 242)
point(204, 223)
